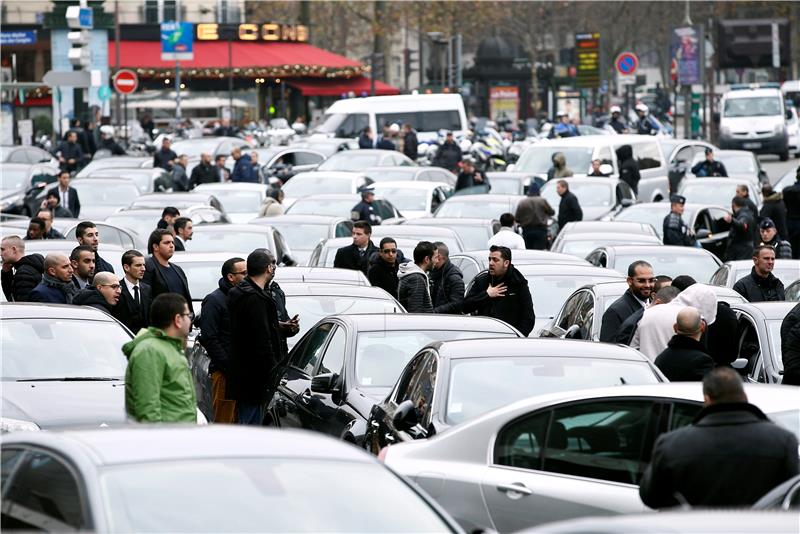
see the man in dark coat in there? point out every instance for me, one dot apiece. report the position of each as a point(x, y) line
point(103, 294)
point(180, 180)
point(790, 347)
point(410, 142)
point(628, 167)
point(448, 282)
point(160, 274)
point(133, 309)
point(383, 267)
point(761, 285)
point(675, 230)
point(70, 153)
point(770, 236)
point(413, 288)
point(740, 235)
point(385, 141)
point(256, 356)
point(774, 209)
point(165, 157)
point(68, 196)
point(204, 172)
point(705, 462)
point(87, 234)
point(533, 214)
point(20, 273)
point(243, 168)
point(52, 203)
point(470, 176)
point(366, 139)
point(449, 154)
point(56, 286)
point(569, 209)
point(791, 199)
point(357, 255)
point(364, 210)
point(502, 292)
point(641, 282)
point(225, 129)
point(709, 166)
point(686, 359)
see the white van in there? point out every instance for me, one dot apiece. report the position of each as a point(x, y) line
point(754, 118)
point(427, 114)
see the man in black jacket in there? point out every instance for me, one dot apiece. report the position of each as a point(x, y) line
point(165, 157)
point(204, 172)
point(256, 353)
point(20, 273)
point(628, 167)
point(686, 359)
point(709, 166)
point(741, 233)
point(705, 462)
point(69, 152)
point(761, 285)
point(364, 210)
point(133, 309)
point(641, 283)
point(569, 209)
point(413, 287)
point(790, 347)
point(791, 199)
point(215, 336)
point(161, 275)
point(675, 230)
point(383, 267)
point(68, 196)
point(448, 282)
point(410, 142)
point(357, 255)
point(449, 154)
point(87, 234)
point(103, 294)
point(502, 292)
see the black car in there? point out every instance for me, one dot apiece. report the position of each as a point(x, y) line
point(347, 363)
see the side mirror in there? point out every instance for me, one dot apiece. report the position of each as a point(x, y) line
point(740, 364)
point(405, 417)
point(703, 233)
point(288, 261)
point(573, 332)
point(324, 383)
point(626, 202)
point(510, 167)
point(606, 169)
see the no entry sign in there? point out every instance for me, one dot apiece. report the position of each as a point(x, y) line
point(627, 63)
point(126, 82)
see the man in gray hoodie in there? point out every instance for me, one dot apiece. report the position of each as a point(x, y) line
point(413, 288)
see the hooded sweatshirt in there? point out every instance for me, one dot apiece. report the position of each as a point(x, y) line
point(413, 290)
point(559, 168)
point(656, 327)
point(158, 383)
point(628, 167)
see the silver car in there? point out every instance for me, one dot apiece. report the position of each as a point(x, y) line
point(562, 455)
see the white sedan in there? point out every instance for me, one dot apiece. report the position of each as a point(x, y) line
point(414, 199)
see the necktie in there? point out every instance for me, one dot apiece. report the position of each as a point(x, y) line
point(361, 253)
point(136, 295)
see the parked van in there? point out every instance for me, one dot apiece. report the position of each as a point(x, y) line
point(753, 117)
point(427, 114)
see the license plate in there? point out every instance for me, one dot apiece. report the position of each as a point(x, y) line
point(751, 145)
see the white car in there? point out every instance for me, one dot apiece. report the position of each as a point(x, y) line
point(414, 199)
point(241, 201)
point(793, 130)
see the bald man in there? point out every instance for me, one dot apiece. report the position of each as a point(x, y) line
point(56, 286)
point(686, 359)
point(103, 294)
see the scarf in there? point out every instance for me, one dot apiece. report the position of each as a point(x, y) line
point(68, 288)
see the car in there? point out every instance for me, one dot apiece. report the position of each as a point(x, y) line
point(707, 221)
point(581, 245)
point(45, 387)
point(284, 162)
point(731, 272)
point(144, 220)
point(471, 262)
point(324, 254)
point(241, 238)
point(216, 146)
point(408, 173)
point(603, 227)
point(110, 234)
point(414, 199)
point(26, 154)
point(576, 319)
point(362, 159)
point(100, 197)
point(740, 164)
point(20, 183)
point(347, 363)
point(176, 200)
point(679, 154)
point(759, 339)
point(575, 453)
point(753, 117)
point(419, 233)
point(115, 162)
point(449, 382)
point(717, 191)
point(511, 183)
point(305, 184)
point(144, 178)
point(303, 232)
point(321, 275)
point(666, 260)
point(102, 481)
point(793, 130)
point(108, 251)
point(598, 197)
point(325, 146)
point(240, 201)
point(341, 205)
point(475, 233)
point(482, 206)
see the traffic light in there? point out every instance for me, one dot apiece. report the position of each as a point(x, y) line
point(410, 61)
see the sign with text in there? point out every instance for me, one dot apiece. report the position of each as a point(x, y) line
point(177, 39)
point(587, 57)
point(23, 37)
point(686, 46)
point(268, 31)
point(504, 103)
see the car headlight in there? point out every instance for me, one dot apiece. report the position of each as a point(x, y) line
point(779, 128)
point(8, 424)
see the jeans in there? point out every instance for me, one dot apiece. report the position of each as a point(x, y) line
point(250, 414)
point(535, 237)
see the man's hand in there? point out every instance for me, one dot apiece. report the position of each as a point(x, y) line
point(496, 291)
point(727, 218)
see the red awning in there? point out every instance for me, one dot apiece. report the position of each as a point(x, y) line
point(37, 102)
point(359, 85)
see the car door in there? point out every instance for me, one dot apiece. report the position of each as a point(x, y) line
point(654, 183)
point(469, 268)
point(750, 347)
point(713, 220)
point(577, 459)
point(306, 161)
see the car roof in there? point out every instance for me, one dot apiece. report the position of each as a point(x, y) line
point(408, 184)
point(569, 269)
point(37, 310)
point(202, 257)
point(594, 140)
point(181, 196)
point(402, 168)
point(454, 221)
point(406, 229)
point(231, 186)
point(485, 198)
point(740, 264)
point(233, 227)
point(663, 249)
point(540, 347)
point(149, 443)
point(317, 274)
point(319, 289)
point(599, 236)
point(330, 196)
point(44, 246)
point(526, 254)
point(600, 180)
point(297, 219)
point(328, 175)
point(770, 310)
point(100, 180)
point(339, 242)
point(642, 206)
point(424, 321)
point(626, 227)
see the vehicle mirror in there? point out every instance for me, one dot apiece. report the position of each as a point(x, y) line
point(703, 233)
point(573, 332)
point(405, 417)
point(510, 167)
point(324, 383)
point(288, 261)
point(740, 364)
point(626, 202)
point(606, 169)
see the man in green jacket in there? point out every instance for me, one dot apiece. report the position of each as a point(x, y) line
point(158, 382)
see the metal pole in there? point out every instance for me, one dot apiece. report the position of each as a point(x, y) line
point(125, 129)
point(450, 62)
point(178, 91)
point(230, 74)
point(117, 111)
point(372, 74)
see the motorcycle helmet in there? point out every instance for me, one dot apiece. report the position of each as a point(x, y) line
point(107, 129)
point(641, 107)
point(615, 109)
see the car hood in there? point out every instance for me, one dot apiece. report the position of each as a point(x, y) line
point(242, 218)
point(98, 213)
point(752, 124)
point(363, 399)
point(414, 214)
point(595, 213)
point(59, 404)
point(301, 255)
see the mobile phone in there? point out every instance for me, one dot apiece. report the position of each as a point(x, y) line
point(294, 319)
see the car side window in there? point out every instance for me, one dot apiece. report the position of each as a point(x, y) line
point(333, 360)
point(720, 277)
point(520, 444)
point(683, 413)
point(10, 459)
point(570, 310)
point(307, 355)
point(421, 386)
point(469, 269)
point(647, 155)
point(400, 393)
point(43, 495)
point(684, 155)
point(604, 155)
point(19, 156)
point(718, 222)
point(307, 158)
point(344, 229)
point(601, 440)
point(585, 317)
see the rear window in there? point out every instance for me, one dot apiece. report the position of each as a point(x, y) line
point(423, 121)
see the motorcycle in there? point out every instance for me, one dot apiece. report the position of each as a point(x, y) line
point(488, 151)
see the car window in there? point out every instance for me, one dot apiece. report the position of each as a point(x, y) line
point(520, 443)
point(569, 312)
point(353, 125)
point(749, 345)
point(19, 156)
point(400, 392)
point(604, 155)
point(585, 317)
point(683, 413)
point(44, 495)
point(307, 355)
point(333, 360)
point(307, 158)
point(720, 278)
point(344, 229)
point(647, 155)
point(420, 387)
point(602, 440)
point(10, 459)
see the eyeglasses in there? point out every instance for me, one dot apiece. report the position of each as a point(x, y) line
point(645, 280)
point(190, 315)
point(243, 273)
point(112, 286)
point(389, 251)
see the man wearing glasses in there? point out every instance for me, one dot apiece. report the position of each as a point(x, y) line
point(103, 294)
point(158, 383)
point(641, 282)
point(383, 270)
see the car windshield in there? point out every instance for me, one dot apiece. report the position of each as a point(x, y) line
point(774, 331)
point(715, 192)
point(203, 276)
point(241, 242)
point(351, 160)
point(550, 292)
point(539, 159)
point(194, 148)
point(738, 163)
point(238, 201)
point(591, 195)
point(302, 186)
point(11, 179)
point(381, 356)
point(478, 385)
point(34, 349)
point(506, 186)
point(473, 237)
point(331, 208)
point(701, 267)
point(142, 225)
point(302, 236)
point(331, 123)
point(486, 209)
point(405, 199)
point(391, 175)
point(787, 275)
point(118, 194)
point(652, 215)
point(757, 106)
point(261, 495)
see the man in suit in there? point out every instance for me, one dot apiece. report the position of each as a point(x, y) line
point(82, 260)
point(68, 196)
point(133, 308)
point(183, 232)
point(161, 275)
point(87, 234)
point(641, 282)
point(357, 255)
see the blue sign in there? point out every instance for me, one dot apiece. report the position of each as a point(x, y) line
point(86, 17)
point(627, 63)
point(24, 37)
point(685, 48)
point(104, 93)
point(177, 39)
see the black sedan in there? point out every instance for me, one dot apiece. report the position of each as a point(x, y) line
point(347, 363)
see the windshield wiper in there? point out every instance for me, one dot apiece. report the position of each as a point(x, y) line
point(72, 379)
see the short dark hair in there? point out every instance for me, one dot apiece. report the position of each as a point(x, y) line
point(258, 261)
point(564, 184)
point(227, 267)
point(723, 385)
point(387, 240)
point(222, 157)
point(759, 248)
point(739, 202)
point(667, 294)
point(155, 238)
point(683, 281)
point(766, 190)
point(505, 252)
point(424, 249)
point(364, 225)
point(442, 248)
point(164, 309)
point(180, 223)
point(507, 219)
point(662, 279)
point(171, 211)
point(82, 227)
point(633, 266)
point(128, 255)
point(75, 255)
point(39, 222)
point(62, 171)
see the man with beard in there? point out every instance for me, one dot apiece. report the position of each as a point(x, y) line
point(56, 286)
point(641, 282)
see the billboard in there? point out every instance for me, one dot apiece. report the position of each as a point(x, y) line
point(504, 103)
point(177, 39)
point(687, 49)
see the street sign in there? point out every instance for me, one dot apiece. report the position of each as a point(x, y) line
point(627, 63)
point(68, 78)
point(177, 39)
point(104, 93)
point(126, 82)
point(24, 37)
point(587, 57)
point(80, 18)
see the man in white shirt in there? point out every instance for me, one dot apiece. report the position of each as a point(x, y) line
point(133, 308)
point(507, 236)
point(82, 260)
